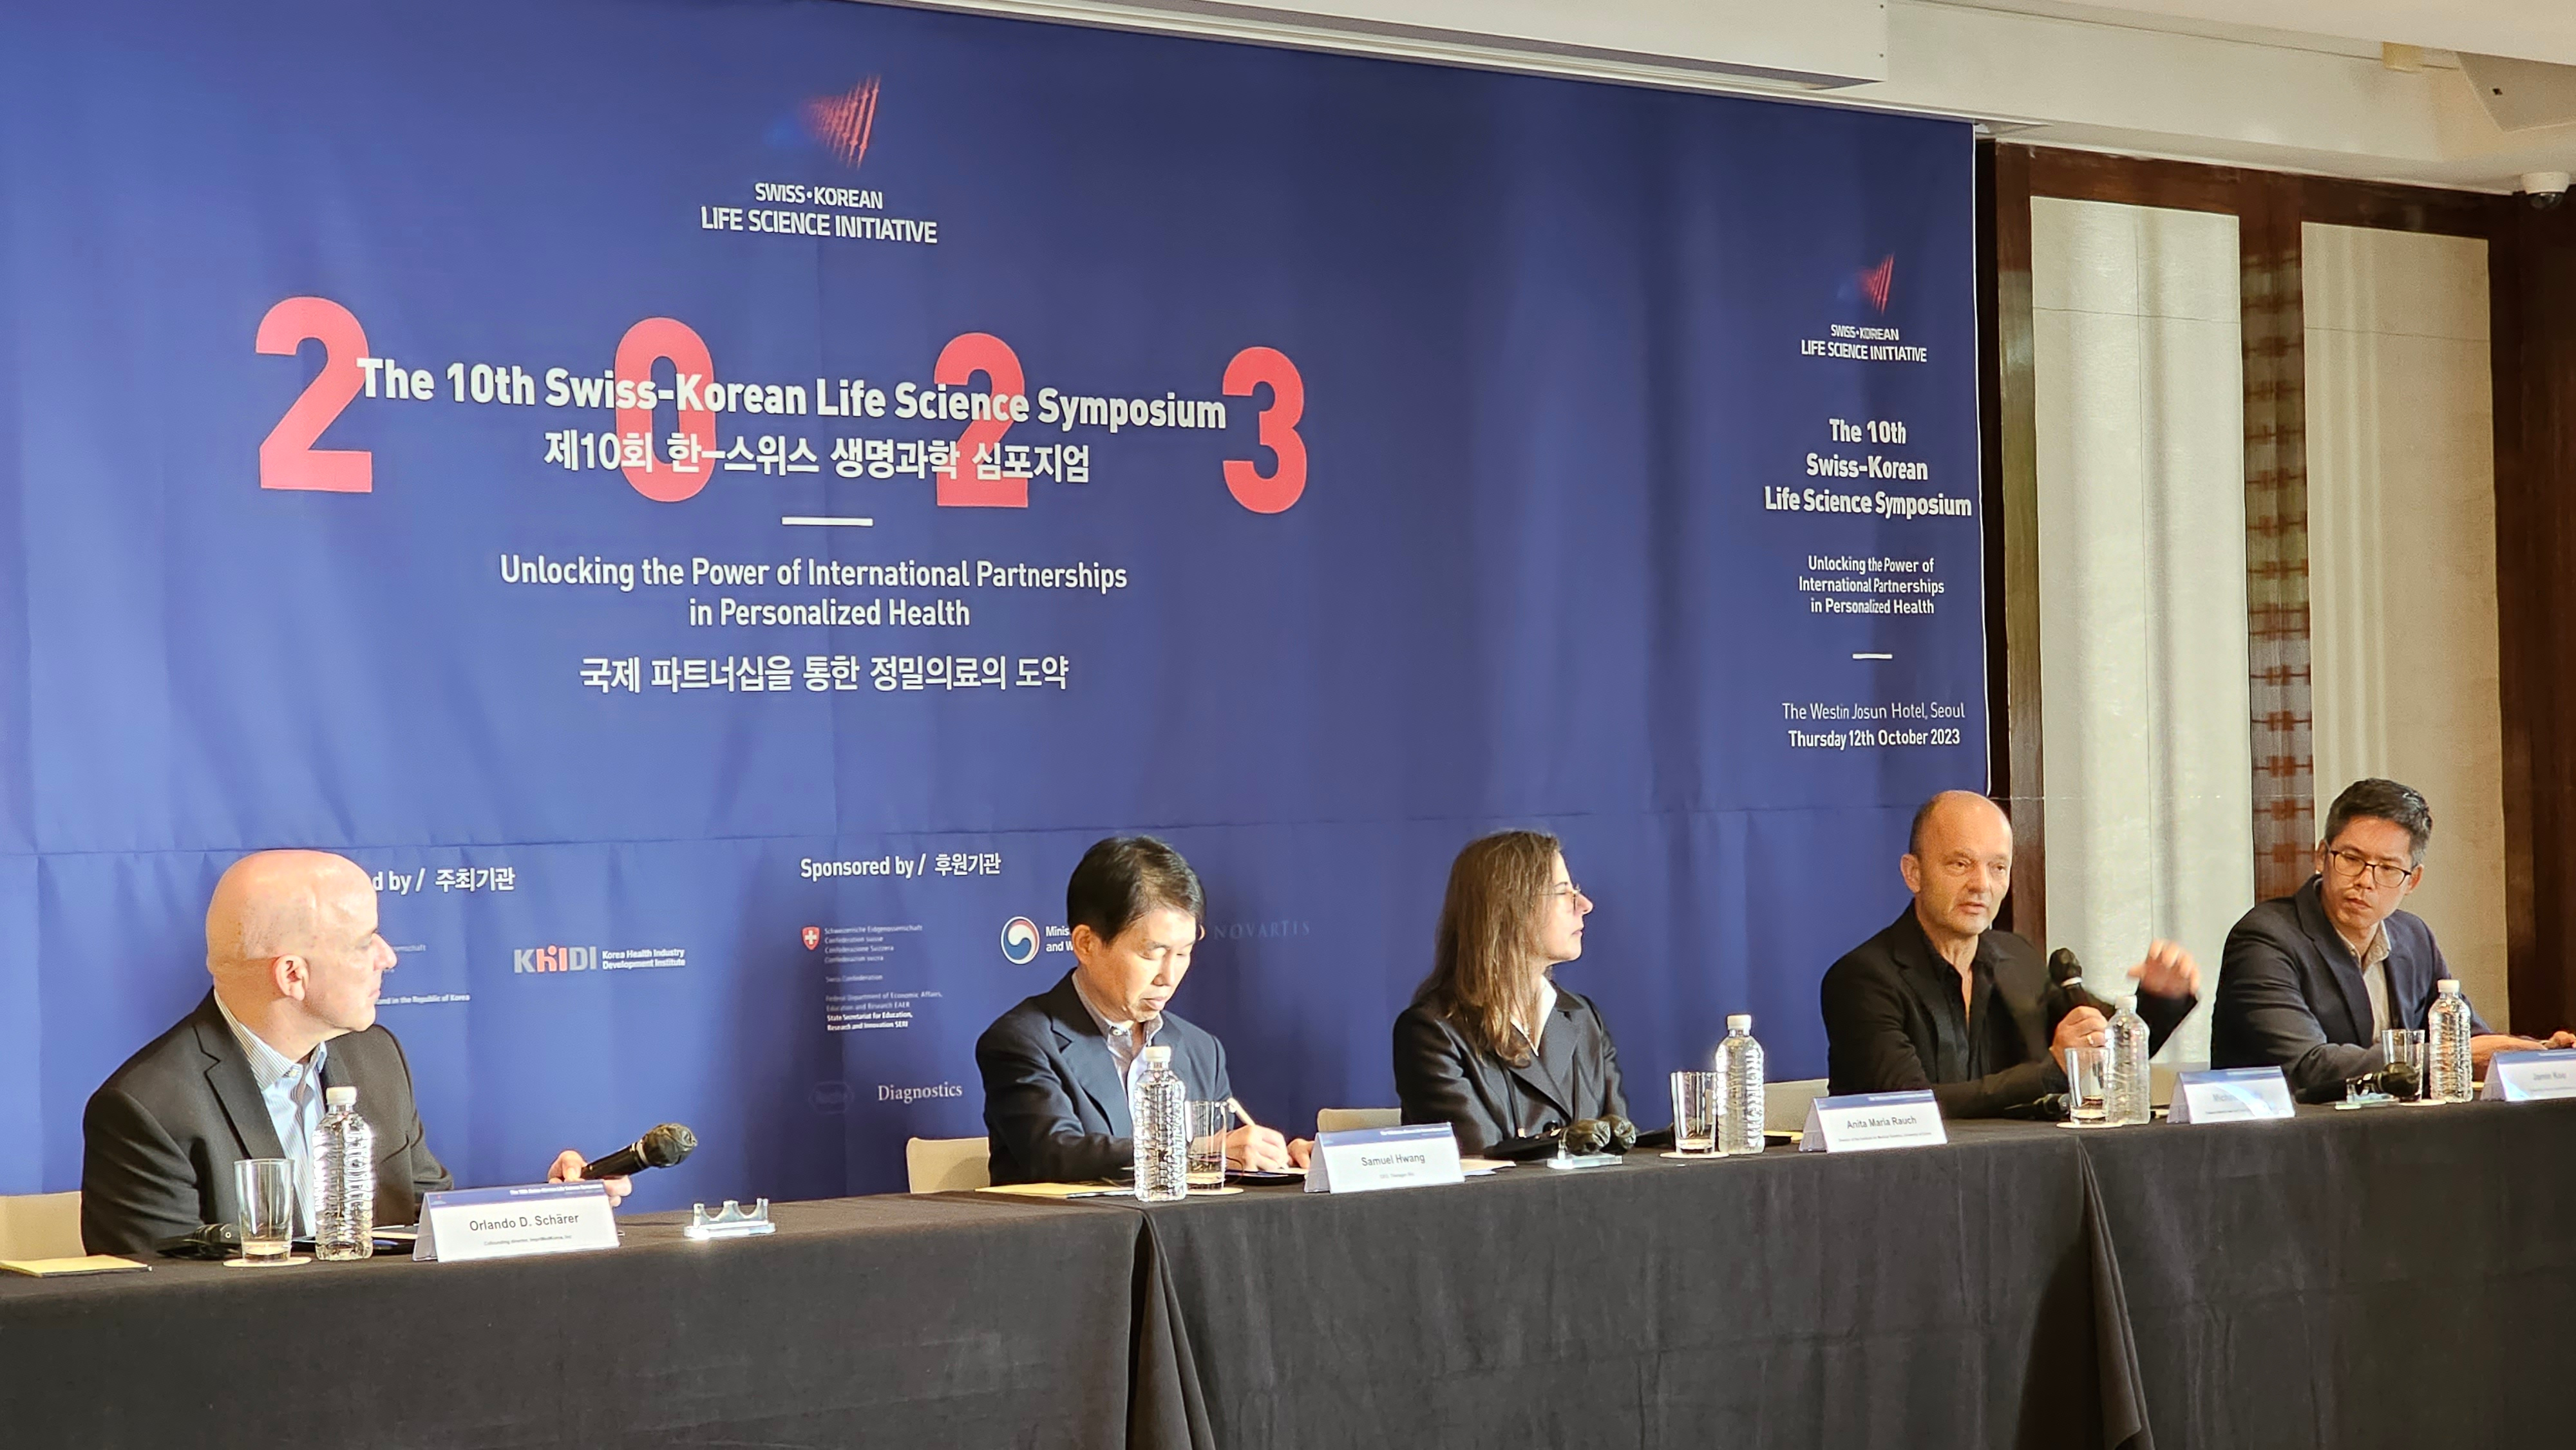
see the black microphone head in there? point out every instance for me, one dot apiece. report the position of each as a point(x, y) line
point(666, 1145)
point(2063, 967)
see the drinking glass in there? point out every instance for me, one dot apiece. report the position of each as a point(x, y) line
point(265, 1188)
point(1695, 1109)
point(2402, 1050)
point(2084, 1096)
point(1208, 1125)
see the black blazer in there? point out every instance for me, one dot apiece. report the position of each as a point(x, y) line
point(1441, 1077)
point(1053, 1104)
point(2290, 994)
point(161, 1136)
point(1893, 1014)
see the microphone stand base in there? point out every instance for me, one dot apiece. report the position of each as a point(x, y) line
point(729, 1222)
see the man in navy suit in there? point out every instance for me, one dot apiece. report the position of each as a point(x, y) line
point(2311, 979)
point(1057, 1068)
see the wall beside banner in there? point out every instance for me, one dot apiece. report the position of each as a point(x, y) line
point(718, 504)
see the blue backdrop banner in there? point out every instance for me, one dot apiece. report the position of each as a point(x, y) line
point(718, 504)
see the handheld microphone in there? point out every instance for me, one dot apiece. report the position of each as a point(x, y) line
point(2067, 974)
point(661, 1148)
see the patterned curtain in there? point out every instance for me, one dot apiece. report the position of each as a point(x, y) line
point(2276, 540)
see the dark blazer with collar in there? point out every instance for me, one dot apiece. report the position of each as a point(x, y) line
point(1442, 1077)
point(1888, 1027)
point(2290, 994)
point(161, 1136)
point(1054, 1107)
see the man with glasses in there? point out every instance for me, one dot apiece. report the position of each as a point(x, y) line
point(2310, 980)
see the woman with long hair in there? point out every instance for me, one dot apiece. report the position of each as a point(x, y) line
point(1491, 1045)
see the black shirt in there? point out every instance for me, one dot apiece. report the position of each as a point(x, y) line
point(1894, 1022)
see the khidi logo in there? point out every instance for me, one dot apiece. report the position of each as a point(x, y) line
point(554, 959)
point(1019, 941)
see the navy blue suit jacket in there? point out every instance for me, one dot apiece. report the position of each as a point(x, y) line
point(2290, 994)
point(1053, 1103)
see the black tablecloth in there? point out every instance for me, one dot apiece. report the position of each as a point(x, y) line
point(2400, 1277)
point(863, 1322)
point(1919, 1298)
point(2395, 1278)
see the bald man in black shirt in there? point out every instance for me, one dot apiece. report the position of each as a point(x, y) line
point(1939, 1000)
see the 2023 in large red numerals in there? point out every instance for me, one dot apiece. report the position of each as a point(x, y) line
point(1276, 490)
point(287, 457)
point(966, 355)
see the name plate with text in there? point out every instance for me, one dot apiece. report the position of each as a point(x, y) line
point(2231, 1095)
point(2530, 1077)
point(1865, 1122)
point(1365, 1159)
point(504, 1223)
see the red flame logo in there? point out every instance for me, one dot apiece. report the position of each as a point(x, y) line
point(1875, 283)
point(842, 123)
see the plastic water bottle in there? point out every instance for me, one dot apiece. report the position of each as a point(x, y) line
point(1739, 1085)
point(2447, 1045)
point(1160, 1108)
point(2126, 1088)
point(344, 1179)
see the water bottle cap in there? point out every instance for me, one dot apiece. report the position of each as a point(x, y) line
point(340, 1097)
point(1158, 1057)
point(2450, 986)
point(1739, 1022)
point(2128, 1001)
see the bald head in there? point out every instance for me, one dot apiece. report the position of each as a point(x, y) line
point(291, 942)
point(1958, 865)
point(1952, 811)
point(269, 904)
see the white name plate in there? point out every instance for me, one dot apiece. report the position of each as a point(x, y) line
point(1365, 1159)
point(2231, 1095)
point(504, 1223)
point(1866, 1122)
point(2530, 1077)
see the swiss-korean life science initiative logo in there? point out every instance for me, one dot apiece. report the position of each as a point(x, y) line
point(1875, 285)
point(1019, 941)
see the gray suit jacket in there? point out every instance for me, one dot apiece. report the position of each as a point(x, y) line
point(1053, 1105)
point(1441, 1077)
point(161, 1136)
point(2290, 994)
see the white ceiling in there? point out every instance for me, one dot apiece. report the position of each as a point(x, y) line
point(2165, 78)
point(2294, 85)
point(2529, 29)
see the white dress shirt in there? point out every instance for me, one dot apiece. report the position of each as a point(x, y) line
point(2374, 977)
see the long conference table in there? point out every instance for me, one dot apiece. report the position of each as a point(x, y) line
point(2402, 1277)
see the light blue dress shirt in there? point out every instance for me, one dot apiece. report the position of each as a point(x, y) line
point(1126, 1048)
point(292, 1093)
